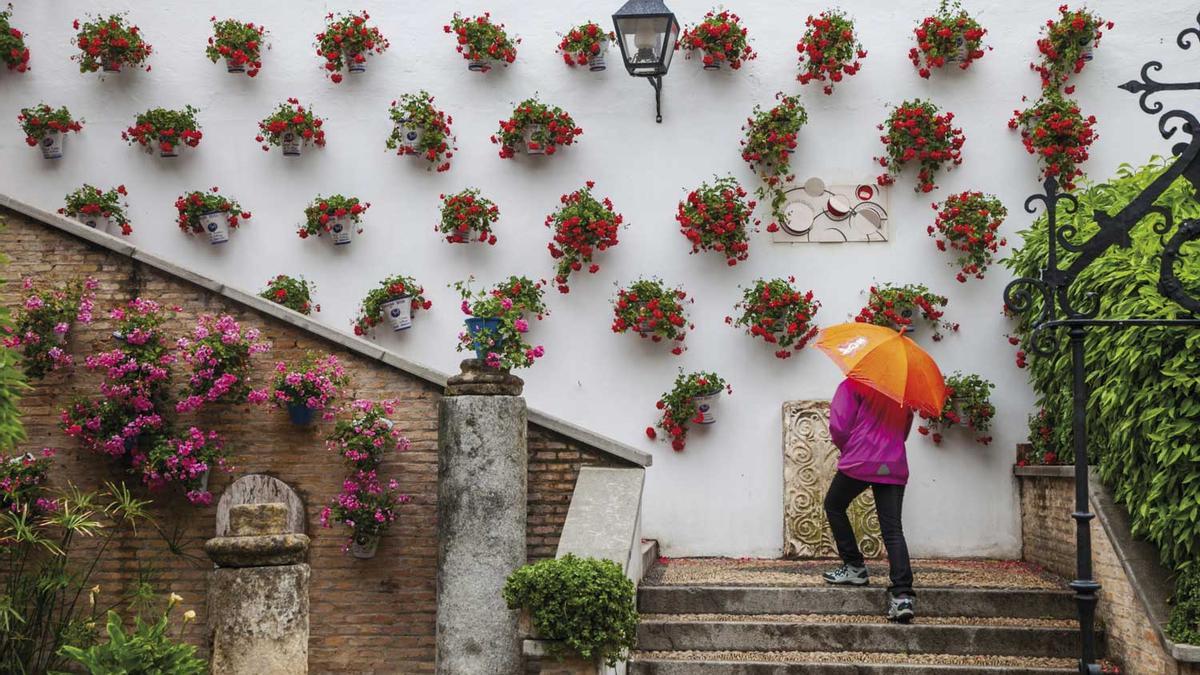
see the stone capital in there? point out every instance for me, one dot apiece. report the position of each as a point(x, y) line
point(478, 379)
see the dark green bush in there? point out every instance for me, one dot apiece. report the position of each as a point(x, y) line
point(584, 603)
point(1184, 625)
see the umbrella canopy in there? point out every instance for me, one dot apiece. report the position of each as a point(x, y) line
point(888, 362)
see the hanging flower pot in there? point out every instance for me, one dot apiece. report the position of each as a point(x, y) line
point(342, 232)
point(112, 66)
point(47, 128)
point(533, 147)
point(364, 546)
point(209, 213)
point(108, 42)
point(477, 326)
point(690, 401)
point(356, 63)
point(336, 215)
point(233, 66)
point(481, 42)
point(300, 414)
point(165, 130)
point(408, 137)
point(705, 404)
point(292, 143)
point(393, 301)
point(537, 128)
point(239, 43)
point(291, 126)
point(596, 62)
point(96, 222)
point(216, 224)
point(101, 210)
point(52, 145)
point(348, 40)
point(719, 38)
point(585, 44)
point(398, 311)
point(167, 147)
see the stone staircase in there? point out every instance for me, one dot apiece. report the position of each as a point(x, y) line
point(772, 617)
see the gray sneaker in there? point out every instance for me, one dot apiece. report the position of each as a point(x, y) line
point(900, 609)
point(847, 575)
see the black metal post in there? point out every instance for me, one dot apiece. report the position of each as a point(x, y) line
point(656, 82)
point(1084, 585)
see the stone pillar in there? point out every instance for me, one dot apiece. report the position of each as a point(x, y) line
point(258, 595)
point(482, 465)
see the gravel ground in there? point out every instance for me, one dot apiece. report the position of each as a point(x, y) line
point(864, 619)
point(860, 657)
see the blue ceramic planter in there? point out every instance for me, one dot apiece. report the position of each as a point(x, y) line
point(301, 414)
point(477, 326)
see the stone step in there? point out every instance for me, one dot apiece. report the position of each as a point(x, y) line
point(649, 554)
point(822, 633)
point(840, 663)
point(969, 602)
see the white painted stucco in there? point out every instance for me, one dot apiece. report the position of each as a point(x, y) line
point(724, 494)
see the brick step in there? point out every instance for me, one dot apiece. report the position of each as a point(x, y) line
point(840, 663)
point(934, 602)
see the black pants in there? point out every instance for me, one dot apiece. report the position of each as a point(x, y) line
point(889, 501)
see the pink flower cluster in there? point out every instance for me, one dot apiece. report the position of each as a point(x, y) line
point(219, 353)
point(43, 322)
point(187, 461)
point(21, 478)
point(365, 505)
point(315, 383)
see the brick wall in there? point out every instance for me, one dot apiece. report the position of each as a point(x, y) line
point(366, 616)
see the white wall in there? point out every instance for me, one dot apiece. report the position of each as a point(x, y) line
point(724, 494)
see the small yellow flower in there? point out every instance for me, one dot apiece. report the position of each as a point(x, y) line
point(173, 600)
point(189, 615)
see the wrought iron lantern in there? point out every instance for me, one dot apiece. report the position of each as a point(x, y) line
point(646, 33)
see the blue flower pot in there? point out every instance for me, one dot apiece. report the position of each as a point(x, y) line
point(300, 414)
point(477, 326)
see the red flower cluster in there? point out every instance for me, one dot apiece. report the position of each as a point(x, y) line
point(968, 405)
point(164, 129)
point(721, 38)
point(653, 311)
point(347, 39)
point(89, 200)
point(319, 214)
point(109, 42)
point(192, 205)
point(829, 50)
point(1066, 44)
point(1057, 132)
point(12, 44)
point(716, 218)
point(950, 36)
point(917, 130)
point(584, 42)
point(679, 407)
point(540, 128)
point(900, 306)
point(467, 217)
point(779, 314)
point(41, 119)
point(582, 226)
point(239, 43)
point(968, 223)
point(481, 41)
point(290, 117)
point(435, 142)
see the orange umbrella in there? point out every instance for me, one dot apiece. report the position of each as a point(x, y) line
point(886, 361)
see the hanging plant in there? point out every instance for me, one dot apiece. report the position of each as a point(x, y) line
point(310, 387)
point(719, 38)
point(767, 147)
point(537, 128)
point(899, 307)
point(347, 41)
point(689, 401)
point(336, 215)
point(101, 210)
point(109, 43)
point(368, 507)
point(1044, 441)
point(467, 217)
point(219, 352)
point(240, 43)
point(291, 292)
point(365, 439)
point(421, 130)
point(1059, 135)
point(187, 461)
point(653, 310)
point(47, 128)
point(968, 224)
point(778, 313)
point(43, 323)
point(585, 44)
point(22, 478)
point(498, 320)
point(1067, 45)
point(949, 36)
point(917, 131)
point(829, 50)
point(481, 42)
point(717, 217)
point(291, 127)
point(209, 213)
point(110, 427)
point(12, 44)
point(968, 405)
point(394, 300)
point(582, 227)
point(165, 130)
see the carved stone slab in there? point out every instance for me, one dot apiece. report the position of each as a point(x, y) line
point(809, 464)
point(260, 489)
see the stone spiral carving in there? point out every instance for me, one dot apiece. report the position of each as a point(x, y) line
point(809, 463)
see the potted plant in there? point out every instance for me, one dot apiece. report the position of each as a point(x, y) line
point(897, 306)
point(582, 226)
point(585, 45)
point(918, 131)
point(719, 38)
point(21, 479)
point(768, 145)
point(968, 405)
point(109, 43)
point(240, 43)
point(949, 36)
point(291, 292)
point(291, 126)
point(969, 223)
point(1044, 441)
point(186, 461)
point(347, 41)
point(1067, 44)
point(12, 44)
point(421, 130)
point(165, 130)
point(778, 313)
point(336, 215)
point(219, 352)
point(467, 217)
point(1059, 135)
point(100, 210)
point(110, 427)
point(653, 310)
point(368, 507)
point(44, 320)
point(208, 212)
point(829, 50)
point(690, 401)
point(582, 607)
point(536, 128)
point(368, 436)
point(394, 300)
point(47, 128)
point(498, 320)
point(309, 387)
point(717, 217)
point(481, 42)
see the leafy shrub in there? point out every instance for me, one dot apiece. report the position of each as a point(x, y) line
point(1184, 625)
point(584, 603)
point(147, 650)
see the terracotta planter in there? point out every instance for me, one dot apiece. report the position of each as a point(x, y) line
point(398, 312)
point(705, 405)
point(364, 547)
point(342, 231)
point(52, 144)
point(216, 224)
point(292, 144)
point(528, 132)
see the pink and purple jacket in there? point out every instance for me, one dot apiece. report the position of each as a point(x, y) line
point(869, 428)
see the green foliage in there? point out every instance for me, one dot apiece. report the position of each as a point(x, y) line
point(1184, 625)
point(583, 603)
point(968, 406)
point(12, 383)
point(291, 292)
point(147, 650)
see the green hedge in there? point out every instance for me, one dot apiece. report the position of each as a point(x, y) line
point(1144, 407)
